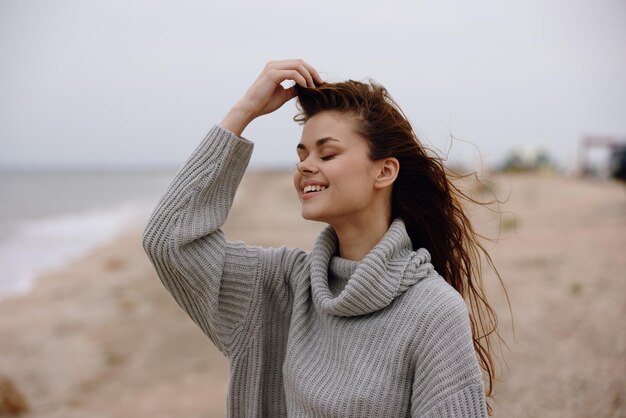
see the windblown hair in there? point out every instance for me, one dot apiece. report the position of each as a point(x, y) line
point(423, 196)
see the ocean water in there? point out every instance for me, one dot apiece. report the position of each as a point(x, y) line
point(50, 218)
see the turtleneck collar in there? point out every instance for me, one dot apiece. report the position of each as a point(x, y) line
point(390, 268)
point(339, 272)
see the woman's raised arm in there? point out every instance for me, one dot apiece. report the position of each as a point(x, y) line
point(222, 285)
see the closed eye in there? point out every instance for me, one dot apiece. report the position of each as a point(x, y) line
point(327, 157)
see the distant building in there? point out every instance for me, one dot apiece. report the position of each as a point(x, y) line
point(617, 163)
point(614, 163)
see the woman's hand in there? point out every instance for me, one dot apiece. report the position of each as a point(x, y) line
point(267, 94)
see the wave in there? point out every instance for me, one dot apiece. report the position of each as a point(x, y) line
point(35, 246)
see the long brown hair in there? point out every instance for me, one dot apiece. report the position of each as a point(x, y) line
point(423, 196)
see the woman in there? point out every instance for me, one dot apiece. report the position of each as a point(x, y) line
point(362, 326)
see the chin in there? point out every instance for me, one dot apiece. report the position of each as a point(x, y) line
point(308, 217)
point(312, 216)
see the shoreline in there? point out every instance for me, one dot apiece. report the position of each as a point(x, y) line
point(37, 246)
point(103, 327)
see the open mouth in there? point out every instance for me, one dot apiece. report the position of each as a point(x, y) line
point(313, 189)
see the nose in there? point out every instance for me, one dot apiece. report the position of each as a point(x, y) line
point(306, 166)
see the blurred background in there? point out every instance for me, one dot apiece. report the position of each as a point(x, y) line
point(103, 101)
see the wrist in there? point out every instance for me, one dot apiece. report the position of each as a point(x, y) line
point(236, 120)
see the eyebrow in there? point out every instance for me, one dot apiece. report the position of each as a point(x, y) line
point(318, 143)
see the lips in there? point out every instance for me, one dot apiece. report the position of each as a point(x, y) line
point(311, 189)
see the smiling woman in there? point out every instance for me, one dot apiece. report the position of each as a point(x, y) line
point(373, 322)
point(357, 190)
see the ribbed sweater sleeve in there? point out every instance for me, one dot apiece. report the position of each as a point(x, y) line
point(447, 380)
point(223, 286)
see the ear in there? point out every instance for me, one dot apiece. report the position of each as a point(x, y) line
point(388, 170)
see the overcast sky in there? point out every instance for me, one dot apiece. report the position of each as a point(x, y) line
point(139, 83)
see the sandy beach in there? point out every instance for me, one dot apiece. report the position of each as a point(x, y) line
point(100, 337)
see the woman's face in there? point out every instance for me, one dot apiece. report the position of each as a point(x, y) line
point(335, 177)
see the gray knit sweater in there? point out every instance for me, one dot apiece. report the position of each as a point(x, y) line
point(312, 334)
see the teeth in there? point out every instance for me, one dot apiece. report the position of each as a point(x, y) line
point(313, 188)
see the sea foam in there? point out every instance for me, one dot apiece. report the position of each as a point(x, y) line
point(34, 246)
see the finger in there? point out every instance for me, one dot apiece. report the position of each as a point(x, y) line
point(308, 72)
point(281, 75)
point(304, 68)
point(290, 93)
point(307, 75)
point(316, 77)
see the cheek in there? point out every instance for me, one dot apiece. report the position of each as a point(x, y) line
point(357, 183)
point(296, 181)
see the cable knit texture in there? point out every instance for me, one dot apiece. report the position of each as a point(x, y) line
point(312, 334)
